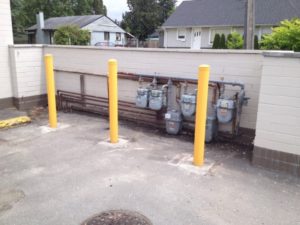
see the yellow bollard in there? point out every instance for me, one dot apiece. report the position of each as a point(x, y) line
point(201, 111)
point(51, 91)
point(113, 100)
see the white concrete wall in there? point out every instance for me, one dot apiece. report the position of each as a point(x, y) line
point(240, 66)
point(6, 38)
point(278, 122)
point(27, 71)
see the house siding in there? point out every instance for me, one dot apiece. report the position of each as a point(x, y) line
point(170, 40)
point(6, 38)
point(98, 27)
point(98, 37)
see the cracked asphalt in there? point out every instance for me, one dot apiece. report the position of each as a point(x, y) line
point(64, 176)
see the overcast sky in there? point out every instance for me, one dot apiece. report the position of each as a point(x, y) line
point(117, 7)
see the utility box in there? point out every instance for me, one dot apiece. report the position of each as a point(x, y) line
point(225, 110)
point(142, 98)
point(173, 122)
point(156, 100)
point(211, 129)
point(188, 105)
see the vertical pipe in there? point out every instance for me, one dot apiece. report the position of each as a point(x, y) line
point(201, 111)
point(82, 89)
point(113, 99)
point(51, 91)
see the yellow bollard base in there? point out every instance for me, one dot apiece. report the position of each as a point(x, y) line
point(199, 164)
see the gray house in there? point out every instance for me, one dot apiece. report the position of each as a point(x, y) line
point(104, 31)
point(195, 23)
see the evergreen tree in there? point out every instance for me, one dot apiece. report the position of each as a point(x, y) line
point(142, 18)
point(82, 7)
point(216, 43)
point(99, 8)
point(222, 42)
point(235, 41)
point(145, 16)
point(166, 8)
point(256, 44)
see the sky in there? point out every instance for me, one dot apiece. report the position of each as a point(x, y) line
point(115, 8)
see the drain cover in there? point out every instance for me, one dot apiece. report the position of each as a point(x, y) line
point(118, 217)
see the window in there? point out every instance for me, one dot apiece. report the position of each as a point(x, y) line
point(181, 33)
point(106, 36)
point(213, 32)
point(118, 36)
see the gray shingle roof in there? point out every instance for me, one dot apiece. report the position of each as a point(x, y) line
point(56, 22)
point(231, 12)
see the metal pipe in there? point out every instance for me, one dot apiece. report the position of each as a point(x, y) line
point(149, 78)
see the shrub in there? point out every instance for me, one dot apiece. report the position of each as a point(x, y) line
point(235, 41)
point(216, 43)
point(223, 42)
point(71, 35)
point(284, 37)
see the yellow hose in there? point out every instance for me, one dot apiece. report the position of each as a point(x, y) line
point(14, 122)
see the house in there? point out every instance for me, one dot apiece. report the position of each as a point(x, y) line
point(104, 32)
point(195, 23)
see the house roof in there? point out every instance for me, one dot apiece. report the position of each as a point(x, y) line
point(56, 22)
point(231, 12)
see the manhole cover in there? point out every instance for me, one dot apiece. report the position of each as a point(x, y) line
point(118, 217)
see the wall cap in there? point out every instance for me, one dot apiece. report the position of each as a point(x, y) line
point(282, 54)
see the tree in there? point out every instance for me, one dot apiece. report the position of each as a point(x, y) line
point(222, 42)
point(24, 11)
point(256, 43)
point(82, 7)
point(99, 7)
point(166, 8)
point(216, 43)
point(284, 37)
point(71, 35)
point(235, 41)
point(144, 16)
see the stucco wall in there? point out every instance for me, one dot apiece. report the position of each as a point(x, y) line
point(278, 122)
point(6, 38)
